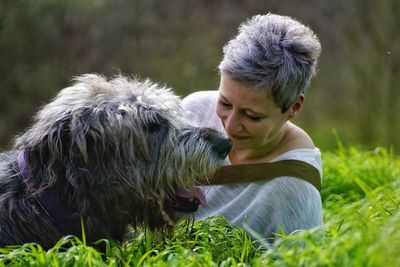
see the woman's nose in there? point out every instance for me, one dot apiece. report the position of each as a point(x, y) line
point(232, 123)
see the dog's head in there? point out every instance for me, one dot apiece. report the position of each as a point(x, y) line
point(122, 145)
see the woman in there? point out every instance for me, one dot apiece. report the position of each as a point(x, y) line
point(264, 74)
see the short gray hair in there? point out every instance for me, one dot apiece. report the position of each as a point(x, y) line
point(274, 54)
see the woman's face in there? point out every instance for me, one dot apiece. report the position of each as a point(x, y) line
point(250, 118)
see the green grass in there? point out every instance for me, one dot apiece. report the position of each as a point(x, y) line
point(361, 201)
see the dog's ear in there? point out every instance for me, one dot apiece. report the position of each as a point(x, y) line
point(44, 145)
point(94, 135)
point(81, 136)
point(64, 141)
point(75, 146)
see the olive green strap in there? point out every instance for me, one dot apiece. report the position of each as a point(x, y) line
point(247, 173)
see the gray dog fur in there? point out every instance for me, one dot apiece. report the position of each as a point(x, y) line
point(115, 152)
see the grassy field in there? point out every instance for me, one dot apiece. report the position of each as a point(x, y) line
point(361, 199)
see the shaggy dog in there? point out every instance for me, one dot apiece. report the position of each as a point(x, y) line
point(108, 154)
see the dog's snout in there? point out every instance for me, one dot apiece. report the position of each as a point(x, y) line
point(222, 146)
point(209, 138)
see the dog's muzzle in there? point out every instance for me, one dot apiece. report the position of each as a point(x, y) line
point(222, 146)
point(188, 201)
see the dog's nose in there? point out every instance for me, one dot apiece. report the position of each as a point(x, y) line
point(223, 146)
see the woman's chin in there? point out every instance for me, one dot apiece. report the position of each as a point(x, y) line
point(241, 143)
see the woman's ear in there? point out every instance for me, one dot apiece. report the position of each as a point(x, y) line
point(296, 107)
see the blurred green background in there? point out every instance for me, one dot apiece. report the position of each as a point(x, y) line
point(44, 43)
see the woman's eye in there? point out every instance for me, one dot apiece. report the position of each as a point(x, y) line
point(254, 118)
point(224, 104)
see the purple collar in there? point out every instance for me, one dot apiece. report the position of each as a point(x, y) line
point(50, 203)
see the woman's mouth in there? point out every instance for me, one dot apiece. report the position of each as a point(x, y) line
point(238, 137)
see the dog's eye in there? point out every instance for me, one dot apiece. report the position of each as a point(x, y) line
point(157, 124)
point(121, 112)
point(153, 126)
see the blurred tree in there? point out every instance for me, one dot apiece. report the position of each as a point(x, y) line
point(374, 56)
point(44, 43)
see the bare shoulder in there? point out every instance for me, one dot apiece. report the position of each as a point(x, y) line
point(297, 138)
point(200, 96)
